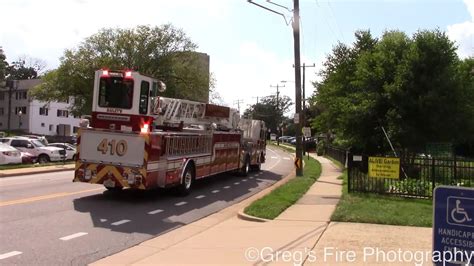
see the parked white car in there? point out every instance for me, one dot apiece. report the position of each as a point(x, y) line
point(70, 149)
point(36, 148)
point(9, 155)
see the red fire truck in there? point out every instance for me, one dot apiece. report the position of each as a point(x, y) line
point(140, 140)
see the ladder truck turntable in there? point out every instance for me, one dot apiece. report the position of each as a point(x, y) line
point(140, 140)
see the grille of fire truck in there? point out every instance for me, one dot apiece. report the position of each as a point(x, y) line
point(186, 145)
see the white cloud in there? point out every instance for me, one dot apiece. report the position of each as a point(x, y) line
point(463, 33)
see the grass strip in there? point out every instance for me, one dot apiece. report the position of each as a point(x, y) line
point(18, 166)
point(382, 209)
point(271, 205)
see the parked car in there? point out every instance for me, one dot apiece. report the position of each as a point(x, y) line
point(40, 138)
point(284, 138)
point(36, 148)
point(9, 155)
point(27, 157)
point(70, 149)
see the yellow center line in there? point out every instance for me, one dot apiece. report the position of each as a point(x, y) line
point(44, 197)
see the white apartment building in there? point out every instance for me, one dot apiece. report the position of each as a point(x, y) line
point(32, 116)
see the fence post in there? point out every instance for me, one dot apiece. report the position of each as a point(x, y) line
point(349, 171)
point(455, 166)
point(433, 178)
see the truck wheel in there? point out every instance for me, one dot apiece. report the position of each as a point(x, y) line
point(188, 178)
point(244, 171)
point(257, 167)
point(43, 158)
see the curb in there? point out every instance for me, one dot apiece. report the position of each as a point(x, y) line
point(246, 217)
point(38, 171)
point(242, 216)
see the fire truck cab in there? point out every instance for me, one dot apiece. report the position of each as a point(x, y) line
point(138, 139)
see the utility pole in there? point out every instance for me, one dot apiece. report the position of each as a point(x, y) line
point(278, 113)
point(238, 102)
point(257, 99)
point(296, 37)
point(304, 66)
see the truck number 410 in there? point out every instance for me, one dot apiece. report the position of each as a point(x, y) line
point(116, 147)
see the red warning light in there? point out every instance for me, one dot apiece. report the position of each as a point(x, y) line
point(105, 73)
point(144, 128)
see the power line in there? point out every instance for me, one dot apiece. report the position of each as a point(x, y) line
point(335, 20)
point(238, 102)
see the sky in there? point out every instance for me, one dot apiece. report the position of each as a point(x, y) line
point(251, 50)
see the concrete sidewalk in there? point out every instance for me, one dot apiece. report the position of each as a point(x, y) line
point(301, 234)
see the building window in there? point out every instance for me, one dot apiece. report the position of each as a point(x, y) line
point(21, 95)
point(51, 127)
point(2, 96)
point(43, 111)
point(2, 111)
point(75, 129)
point(42, 124)
point(22, 109)
point(1, 124)
point(63, 113)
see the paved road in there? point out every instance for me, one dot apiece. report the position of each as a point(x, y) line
point(46, 219)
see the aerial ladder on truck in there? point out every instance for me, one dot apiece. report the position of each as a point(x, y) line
point(176, 112)
point(141, 140)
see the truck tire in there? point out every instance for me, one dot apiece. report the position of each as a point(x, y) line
point(258, 166)
point(43, 158)
point(244, 170)
point(184, 188)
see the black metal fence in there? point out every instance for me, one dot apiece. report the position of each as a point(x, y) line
point(337, 154)
point(418, 176)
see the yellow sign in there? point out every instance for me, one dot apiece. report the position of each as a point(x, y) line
point(384, 167)
point(298, 163)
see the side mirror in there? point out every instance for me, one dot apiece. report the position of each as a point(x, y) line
point(29, 146)
point(84, 122)
point(158, 86)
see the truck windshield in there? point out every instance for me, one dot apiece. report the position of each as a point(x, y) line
point(115, 92)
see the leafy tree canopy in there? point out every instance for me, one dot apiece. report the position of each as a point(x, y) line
point(269, 111)
point(416, 88)
point(162, 51)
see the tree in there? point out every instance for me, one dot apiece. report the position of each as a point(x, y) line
point(18, 70)
point(415, 88)
point(3, 67)
point(268, 111)
point(161, 52)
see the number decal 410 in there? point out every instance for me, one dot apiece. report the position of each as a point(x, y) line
point(116, 147)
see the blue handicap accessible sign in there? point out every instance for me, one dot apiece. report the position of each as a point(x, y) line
point(453, 226)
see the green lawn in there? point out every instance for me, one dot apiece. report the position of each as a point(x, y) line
point(270, 206)
point(16, 166)
point(380, 209)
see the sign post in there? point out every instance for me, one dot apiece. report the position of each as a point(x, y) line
point(453, 226)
